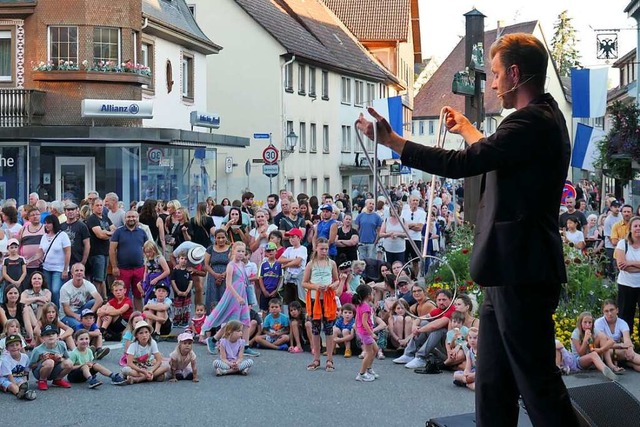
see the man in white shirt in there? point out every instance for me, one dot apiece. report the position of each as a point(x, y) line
point(293, 260)
point(76, 295)
point(414, 218)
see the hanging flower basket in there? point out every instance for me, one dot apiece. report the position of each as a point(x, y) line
point(619, 151)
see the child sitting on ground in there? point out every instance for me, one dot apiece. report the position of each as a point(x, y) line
point(127, 337)
point(455, 341)
point(231, 347)
point(88, 323)
point(589, 350)
point(182, 360)
point(85, 368)
point(343, 329)
point(158, 312)
point(144, 360)
point(50, 360)
point(14, 369)
point(195, 325)
point(275, 328)
point(400, 325)
point(182, 284)
point(114, 315)
point(565, 361)
point(467, 378)
point(49, 316)
point(11, 327)
point(297, 330)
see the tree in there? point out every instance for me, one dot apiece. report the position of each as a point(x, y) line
point(563, 45)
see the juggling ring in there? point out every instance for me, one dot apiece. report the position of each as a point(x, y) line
point(373, 166)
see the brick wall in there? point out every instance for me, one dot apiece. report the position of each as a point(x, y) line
point(62, 101)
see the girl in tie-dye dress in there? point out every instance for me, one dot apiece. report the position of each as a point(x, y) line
point(233, 304)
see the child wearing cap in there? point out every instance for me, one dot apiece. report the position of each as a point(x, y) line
point(14, 267)
point(50, 360)
point(88, 323)
point(84, 366)
point(158, 311)
point(182, 284)
point(270, 277)
point(183, 360)
point(144, 360)
point(14, 369)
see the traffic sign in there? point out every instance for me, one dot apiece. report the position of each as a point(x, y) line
point(270, 154)
point(261, 135)
point(271, 170)
point(155, 155)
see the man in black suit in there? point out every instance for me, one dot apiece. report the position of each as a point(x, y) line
point(517, 254)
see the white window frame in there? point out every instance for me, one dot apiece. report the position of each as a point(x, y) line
point(313, 138)
point(117, 60)
point(312, 82)
point(346, 139)
point(288, 77)
point(325, 85)
point(8, 34)
point(359, 93)
point(302, 79)
point(302, 138)
point(371, 93)
point(187, 77)
point(345, 89)
point(49, 58)
point(325, 139)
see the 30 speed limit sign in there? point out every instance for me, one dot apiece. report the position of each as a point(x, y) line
point(270, 155)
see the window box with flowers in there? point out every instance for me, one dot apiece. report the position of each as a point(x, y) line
point(102, 71)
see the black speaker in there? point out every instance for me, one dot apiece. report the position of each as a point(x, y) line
point(469, 420)
point(605, 404)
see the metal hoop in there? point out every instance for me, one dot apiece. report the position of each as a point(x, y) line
point(455, 284)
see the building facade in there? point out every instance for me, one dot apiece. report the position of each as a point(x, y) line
point(85, 103)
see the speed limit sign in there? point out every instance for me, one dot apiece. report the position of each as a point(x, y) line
point(270, 155)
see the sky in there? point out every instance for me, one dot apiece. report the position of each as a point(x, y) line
point(442, 24)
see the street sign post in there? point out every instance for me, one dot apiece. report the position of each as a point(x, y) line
point(270, 154)
point(271, 170)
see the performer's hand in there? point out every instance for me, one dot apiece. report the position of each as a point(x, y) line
point(457, 123)
point(386, 136)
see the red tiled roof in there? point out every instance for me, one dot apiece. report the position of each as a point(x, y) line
point(374, 20)
point(436, 92)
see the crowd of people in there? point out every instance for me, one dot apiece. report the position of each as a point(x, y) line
point(239, 278)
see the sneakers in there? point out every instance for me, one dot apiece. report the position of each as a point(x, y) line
point(248, 351)
point(295, 349)
point(30, 395)
point(366, 377)
point(403, 360)
point(102, 352)
point(607, 372)
point(459, 383)
point(155, 336)
point(221, 372)
point(94, 382)
point(282, 347)
point(245, 371)
point(211, 345)
point(42, 385)
point(117, 379)
point(361, 355)
point(61, 382)
point(380, 355)
point(372, 373)
point(347, 353)
point(416, 362)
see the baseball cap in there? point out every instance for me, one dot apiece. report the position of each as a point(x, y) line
point(615, 203)
point(12, 338)
point(13, 242)
point(71, 205)
point(162, 285)
point(293, 232)
point(87, 312)
point(326, 207)
point(185, 336)
point(49, 330)
point(270, 247)
point(403, 279)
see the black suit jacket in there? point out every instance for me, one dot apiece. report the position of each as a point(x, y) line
point(524, 166)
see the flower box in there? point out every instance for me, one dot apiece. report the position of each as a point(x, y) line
point(91, 76)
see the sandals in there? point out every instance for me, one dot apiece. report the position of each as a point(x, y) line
point(329, 366)
point(313, 365)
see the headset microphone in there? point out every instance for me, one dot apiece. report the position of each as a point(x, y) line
point(501, 94)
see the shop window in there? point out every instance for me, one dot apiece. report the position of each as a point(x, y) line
point(106, 45)
point(63, 44)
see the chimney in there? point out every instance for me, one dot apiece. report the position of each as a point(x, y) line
point(499, 28)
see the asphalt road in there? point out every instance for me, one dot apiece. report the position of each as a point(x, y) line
point(278, 391)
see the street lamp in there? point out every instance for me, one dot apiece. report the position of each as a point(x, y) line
point(291, 141)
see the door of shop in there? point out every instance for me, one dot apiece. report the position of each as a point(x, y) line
point(75, 176)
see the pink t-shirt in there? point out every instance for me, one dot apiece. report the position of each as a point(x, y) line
point(360, 311)
point(232, 349)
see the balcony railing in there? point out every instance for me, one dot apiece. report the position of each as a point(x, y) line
point(21, 107)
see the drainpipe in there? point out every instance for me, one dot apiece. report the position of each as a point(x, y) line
point(146, 23)
point(284, 117)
